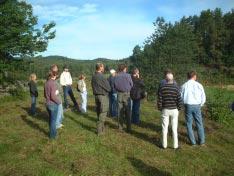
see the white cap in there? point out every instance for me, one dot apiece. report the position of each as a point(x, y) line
point(112, 71)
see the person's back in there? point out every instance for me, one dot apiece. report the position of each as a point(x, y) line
point(169, 97)
point(193, 93)
point(100, 85)
point(65, 78)
point(123, 82)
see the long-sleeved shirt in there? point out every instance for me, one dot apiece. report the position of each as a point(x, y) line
point(112, 81)
point(169, 97)
point(100, 84)
point(51, 92)
point(82, 86)
point(33, 88)
point(65, 79)
point(123, 82)
point(193, 93)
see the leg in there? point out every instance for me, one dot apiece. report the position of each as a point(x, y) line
point(72, 96)
point(33, 105)
point(189, 123)
point(199, 125)
point(136, 111)
point(120, 111)
point(127, 108)
point(53, 116)
point(165, 123)
point(114, 105)
point(65, 93)
point(103, 114)
point(59, 116)
point(174, 124)
point(84, 106)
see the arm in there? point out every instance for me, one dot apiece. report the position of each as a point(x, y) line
point(105, 85)
point(179, 100)
point(53, 95)
point(62, 82)
point(203, 96)
point(159, 100)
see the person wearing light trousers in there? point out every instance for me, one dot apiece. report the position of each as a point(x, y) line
point(81, 87)
point(169, 103)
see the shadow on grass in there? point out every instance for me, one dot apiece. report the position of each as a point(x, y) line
point(145, 169)
point(89, 128)
point(32, 124)
point(151, 139)
point(40, 114)
point(151, 126)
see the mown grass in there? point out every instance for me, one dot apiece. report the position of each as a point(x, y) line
point(26, 150)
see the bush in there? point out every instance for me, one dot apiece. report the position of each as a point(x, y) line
point(218, 104)
point(18, 93)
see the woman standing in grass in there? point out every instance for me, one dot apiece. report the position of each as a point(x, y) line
point(33, 92)
point(60, 116)
point(81, 87)
point(52, 102)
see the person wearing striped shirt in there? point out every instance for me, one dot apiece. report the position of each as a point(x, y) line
point(169, 103)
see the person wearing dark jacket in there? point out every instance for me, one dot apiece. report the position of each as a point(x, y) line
point(33, 92)
point(101, 89)
point(137, 93)
point(112, 95)
point(123, 85)
point(169, 103)
point(51, 93)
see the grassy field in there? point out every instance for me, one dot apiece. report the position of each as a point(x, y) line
point(26, 150)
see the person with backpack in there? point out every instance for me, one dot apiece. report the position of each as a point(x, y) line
point(33, 92)
point(81, 88)
point(137, 93)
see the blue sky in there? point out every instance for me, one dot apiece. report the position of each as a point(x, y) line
point(87, 29)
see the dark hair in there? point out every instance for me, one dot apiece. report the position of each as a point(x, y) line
point(99, 66)
point(191, 74)
point(51, 74)
point(167, 71)
point(65, 67)
point(121, 67)
point(135, 70)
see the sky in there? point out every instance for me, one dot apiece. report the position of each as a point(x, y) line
point(89, 29)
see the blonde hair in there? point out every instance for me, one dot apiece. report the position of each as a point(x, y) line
point(33, 77)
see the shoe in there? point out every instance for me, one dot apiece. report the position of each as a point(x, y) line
point(203, 145)
point(60, 126)
point(178, 148)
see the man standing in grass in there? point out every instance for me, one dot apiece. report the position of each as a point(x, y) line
point(194, 98)
point(66, 82)
point(123, 84)
point(101, 89)
point(169, 103)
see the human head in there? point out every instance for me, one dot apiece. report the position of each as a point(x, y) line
point(82, 77)
point(135, 72)
point(54, 67)
point(169, 78)
point(112, 72)
point(167, 71)
point(192, 75)
point(65, 68)
point(33, 77)
point(100, 67)
point(52, 75)
point(123, 68)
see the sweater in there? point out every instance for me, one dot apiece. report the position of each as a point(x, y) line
point(169, 97)
point(123, 82)
point(100, 84)
point(51, 92)
point(65, 79)
point(33, 88)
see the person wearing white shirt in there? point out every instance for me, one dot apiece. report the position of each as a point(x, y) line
point(66, 82)
point(193, 96)
point(81, 87)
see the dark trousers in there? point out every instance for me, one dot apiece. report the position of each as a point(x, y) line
point(136, 111)
point(113, 104)
point(67, 90)
point(53, 111)
point(124, 110)
point(102, 105)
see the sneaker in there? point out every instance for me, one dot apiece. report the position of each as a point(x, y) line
point(60, 126)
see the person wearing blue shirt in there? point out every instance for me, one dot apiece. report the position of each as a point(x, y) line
point(193, 96)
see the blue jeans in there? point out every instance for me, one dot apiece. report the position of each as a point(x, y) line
point(67, 90)
point(136, 111)
point(59, 115)
point(33, 105)
point(194, 112)
point(53, 112)
point(113, 104)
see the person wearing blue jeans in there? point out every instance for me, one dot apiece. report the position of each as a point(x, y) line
point(51, 94)
point(59, 116)
point(112, 95)
point(194, 98)
point(193, 112)
point(67, 90)
point(53, 111)
point(137, 93)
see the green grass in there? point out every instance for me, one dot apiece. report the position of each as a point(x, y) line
point(26, 150)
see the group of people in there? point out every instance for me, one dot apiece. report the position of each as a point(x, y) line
point(120, 96)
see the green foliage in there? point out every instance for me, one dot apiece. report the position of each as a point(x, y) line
point(218, 105)
point(18, 93)
point(19, 37)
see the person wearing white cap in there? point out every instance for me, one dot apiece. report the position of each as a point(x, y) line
point(112, 95)
point(169, 103)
